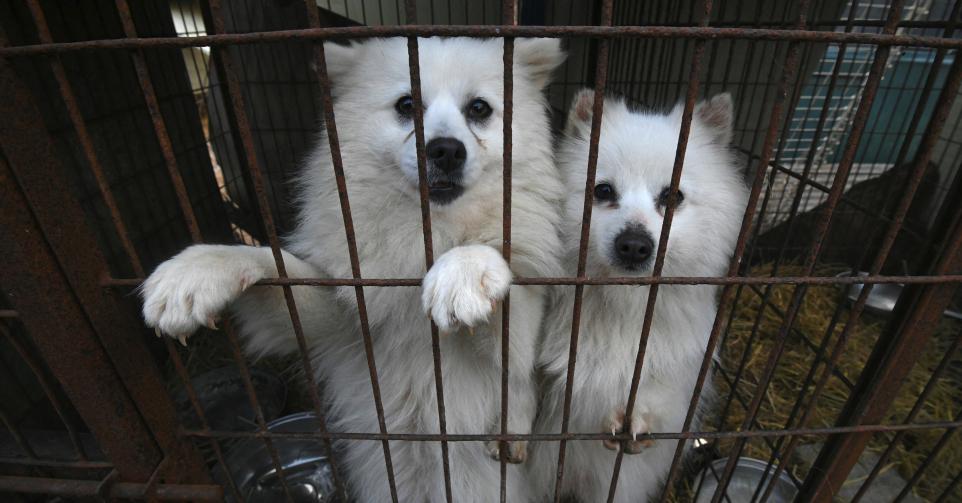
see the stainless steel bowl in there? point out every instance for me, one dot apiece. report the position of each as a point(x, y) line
point(883, 297)
point(304, 461)
point(745, 479)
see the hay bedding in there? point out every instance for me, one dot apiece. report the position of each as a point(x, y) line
point(813, 321)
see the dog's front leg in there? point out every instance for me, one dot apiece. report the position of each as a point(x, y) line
point(464, 286)
point(197, 286)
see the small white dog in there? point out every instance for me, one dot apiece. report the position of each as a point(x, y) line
point(635, 160)
point(463, 98)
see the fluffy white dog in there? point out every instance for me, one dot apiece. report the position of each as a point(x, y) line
point(635, 160)
point(463, 95)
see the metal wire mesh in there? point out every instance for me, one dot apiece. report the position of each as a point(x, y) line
point(845, 105)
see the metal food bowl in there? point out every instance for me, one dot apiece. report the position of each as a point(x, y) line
point(303, 460)
point(883, 297)
point(745, 479)
point(223, 396)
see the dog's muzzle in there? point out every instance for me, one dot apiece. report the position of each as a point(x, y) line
point(446, 158)
point(633, 247)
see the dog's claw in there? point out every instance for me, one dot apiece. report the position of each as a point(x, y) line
point(212, 322)
point(158, 334)
point(183, 339)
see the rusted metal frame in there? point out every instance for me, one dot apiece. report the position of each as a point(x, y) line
point(119, 490)
point(600, 83)
point(939, 447)
point(510, 17)
point(28, 357)
point(713, 56)
point(694, 80)
point(615, 280)
point(56, 463)
point(414, 66)
point(950, 489)
point(97, 170)
point(916, 408)
point(928, 143)
point(765, 297)
point(8, 313)
point(150, 489)
point(71, 261)
point(267, 220)
point(33, 279)
point(157, 118)
point(337, 163)
point(793, 211)
point(17, 435)
point(838, 186)
point(554, 437)
point(917, 313)
point(680, 151)
point(790, 67)
point(599, 32)
point(83, 137)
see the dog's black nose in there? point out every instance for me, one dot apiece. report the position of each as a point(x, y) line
point(633, 247)
point(447, 154)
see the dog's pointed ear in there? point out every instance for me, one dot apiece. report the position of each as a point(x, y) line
point(339, 59)
point(538, 57)
point(580, 113)
point(717, 115)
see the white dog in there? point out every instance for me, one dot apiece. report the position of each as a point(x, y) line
point(635, 160)
point(463, 97)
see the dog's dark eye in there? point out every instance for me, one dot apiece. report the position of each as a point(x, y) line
point(605, 192)
point(479, 109)
point(405, 106)
point(665, 196)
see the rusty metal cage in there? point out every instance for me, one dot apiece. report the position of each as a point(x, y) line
point(128, 133)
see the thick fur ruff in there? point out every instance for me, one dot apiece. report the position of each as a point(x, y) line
point(461, 290)
point(636, 156)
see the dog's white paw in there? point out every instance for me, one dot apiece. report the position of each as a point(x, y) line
point(193, 288)
point(464, 286)
point(640, 424)
point(517, 451)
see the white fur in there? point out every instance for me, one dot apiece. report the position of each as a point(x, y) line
point(461, 290)
point(636, 156)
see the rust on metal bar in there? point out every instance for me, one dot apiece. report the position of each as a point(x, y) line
point(414, 67)
point(931, 137)
point(789, 71)
point(599, 32)
point(157, 118)
point(119, 490)
point(28, 357)
point(615, 280)
point(600, 82)
point(8, 313)
point(109, 375)
point(554, 437)
point(510, 14)
point(56, 463)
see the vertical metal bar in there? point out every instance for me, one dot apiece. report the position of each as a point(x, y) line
point(790, 68)
point(910, 418)
point(157, 118)
point(838, 186)
point(510, 10)
point(18, 437)
point(27, 357)
point(694, 80)
point(932, 133)
point(917, 312)
point(939, 447)
point(38, 172)
point(419, 142)
point(601, 78)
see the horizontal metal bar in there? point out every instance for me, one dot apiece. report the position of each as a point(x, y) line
point(56, 463)
point(8, 313)
point(549, 437)
point(124, 490)
point(627, 281)
point(602, 32)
